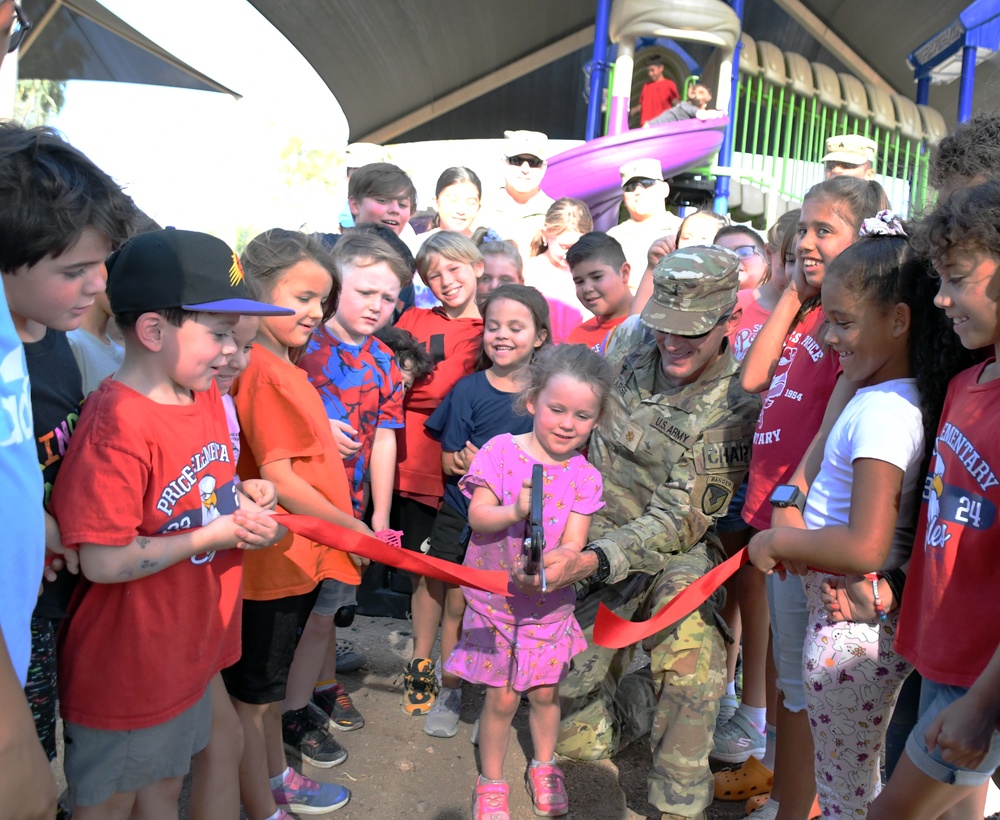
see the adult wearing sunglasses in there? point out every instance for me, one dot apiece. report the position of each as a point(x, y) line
point(517, 211)
point(644, 192)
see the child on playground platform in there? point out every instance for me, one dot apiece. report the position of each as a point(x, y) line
point(161, 528)
point(479, 407)
point(600, 274)
point(949, 624)
point(362, 391)
point(860, 510)
point(288, 441)
point(450, 265)
point(524, 643)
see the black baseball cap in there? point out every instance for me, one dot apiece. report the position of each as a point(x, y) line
point(181, 269)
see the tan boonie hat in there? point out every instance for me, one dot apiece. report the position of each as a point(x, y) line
point(852, 149)
point(693, 288)
point(533, 143)
point(642, 169)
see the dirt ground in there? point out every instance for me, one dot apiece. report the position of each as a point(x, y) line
point(396, 771)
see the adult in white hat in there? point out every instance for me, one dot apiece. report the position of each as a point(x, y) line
point(644, 192)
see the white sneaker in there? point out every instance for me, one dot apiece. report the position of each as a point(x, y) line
point(442, 719)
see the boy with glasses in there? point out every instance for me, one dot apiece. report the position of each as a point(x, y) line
point(749, 246)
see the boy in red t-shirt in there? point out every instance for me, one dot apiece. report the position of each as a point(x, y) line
point(450, 265)
point(156, 614)
point(600, 274)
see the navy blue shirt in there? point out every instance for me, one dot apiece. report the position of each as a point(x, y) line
point(473, 411)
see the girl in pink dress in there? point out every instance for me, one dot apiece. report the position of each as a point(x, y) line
point(523, 643)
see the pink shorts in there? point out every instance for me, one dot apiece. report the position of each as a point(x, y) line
point(519, 655)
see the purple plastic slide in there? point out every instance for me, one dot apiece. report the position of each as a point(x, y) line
point(590, 171)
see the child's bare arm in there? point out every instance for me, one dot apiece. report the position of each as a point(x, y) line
point(382, 471)
point(298, 496)
point(487, 514)
point(575, 535)
point(145, 555)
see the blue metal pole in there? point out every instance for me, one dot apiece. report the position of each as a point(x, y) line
point(721, 203)
point(968, 84)
point(598, 69)
point(923, 90)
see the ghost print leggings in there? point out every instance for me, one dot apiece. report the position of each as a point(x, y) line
point(852, 677)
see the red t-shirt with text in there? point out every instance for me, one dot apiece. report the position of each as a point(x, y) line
point(138, 653)
point(791, 414)
point(453, 345)
point(949, 626)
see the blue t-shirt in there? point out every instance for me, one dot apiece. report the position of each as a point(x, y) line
point(473, 411)
point(22, 552)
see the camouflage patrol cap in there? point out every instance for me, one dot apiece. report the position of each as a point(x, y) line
point(693, 288)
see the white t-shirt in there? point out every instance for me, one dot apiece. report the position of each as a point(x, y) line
point(636, 237)
point(882, 422)
point(97, 359)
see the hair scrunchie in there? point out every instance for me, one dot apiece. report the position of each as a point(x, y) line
point(884, 223)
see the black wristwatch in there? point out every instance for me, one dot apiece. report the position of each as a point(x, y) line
point(788, 495)
point(603, 566)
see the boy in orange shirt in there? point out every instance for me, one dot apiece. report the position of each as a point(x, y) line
point(600, 274)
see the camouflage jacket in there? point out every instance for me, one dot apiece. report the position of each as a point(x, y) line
point(670, 461)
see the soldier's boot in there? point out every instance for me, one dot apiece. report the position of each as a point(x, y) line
point(635, 706)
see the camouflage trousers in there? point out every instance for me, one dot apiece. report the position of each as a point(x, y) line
point(676, 700)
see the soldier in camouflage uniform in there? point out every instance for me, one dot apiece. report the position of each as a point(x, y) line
point(671, 461)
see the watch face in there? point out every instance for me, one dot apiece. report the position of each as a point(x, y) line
point(783, 494)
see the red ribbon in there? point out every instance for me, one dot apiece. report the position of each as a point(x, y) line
point(339, 538)
point(614, 632)
point(610, 630)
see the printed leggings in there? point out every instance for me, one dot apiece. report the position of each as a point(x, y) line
point(852, 677)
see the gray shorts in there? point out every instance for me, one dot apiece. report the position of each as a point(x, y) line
point(101, 763)
point(334, 594)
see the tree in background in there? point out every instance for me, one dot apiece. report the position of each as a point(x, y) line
point(39, 101)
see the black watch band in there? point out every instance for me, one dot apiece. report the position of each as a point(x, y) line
point(603, 565)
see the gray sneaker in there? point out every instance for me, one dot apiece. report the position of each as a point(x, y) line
point(737, 740)
point(442, 719)
point(347, 659)
point(727, 708)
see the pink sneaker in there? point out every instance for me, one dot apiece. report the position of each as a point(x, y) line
point(548, 794)
point(489, 801)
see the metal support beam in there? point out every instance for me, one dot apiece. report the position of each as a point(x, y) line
point(474, 90)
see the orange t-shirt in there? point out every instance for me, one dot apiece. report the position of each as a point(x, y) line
point(282, 416)
point(453, 345)
point(594, 332)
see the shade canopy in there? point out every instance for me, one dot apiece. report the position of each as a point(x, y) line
point(398, 66)
point(82, 40)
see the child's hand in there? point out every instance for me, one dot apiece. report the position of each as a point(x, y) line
point(522, 507)
point(380, 521)
point(660, 248)
point(344, 435)
point(463, 458)
point(851, 598)
point(255, 529)
point(797, 283)
point(961, 733)
point(57, 557)
point(760, 550)
point(260, 492)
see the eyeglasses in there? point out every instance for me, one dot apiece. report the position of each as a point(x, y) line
point(533, 162)
point(633, 184)
point(747, 251)
point(22, 25)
